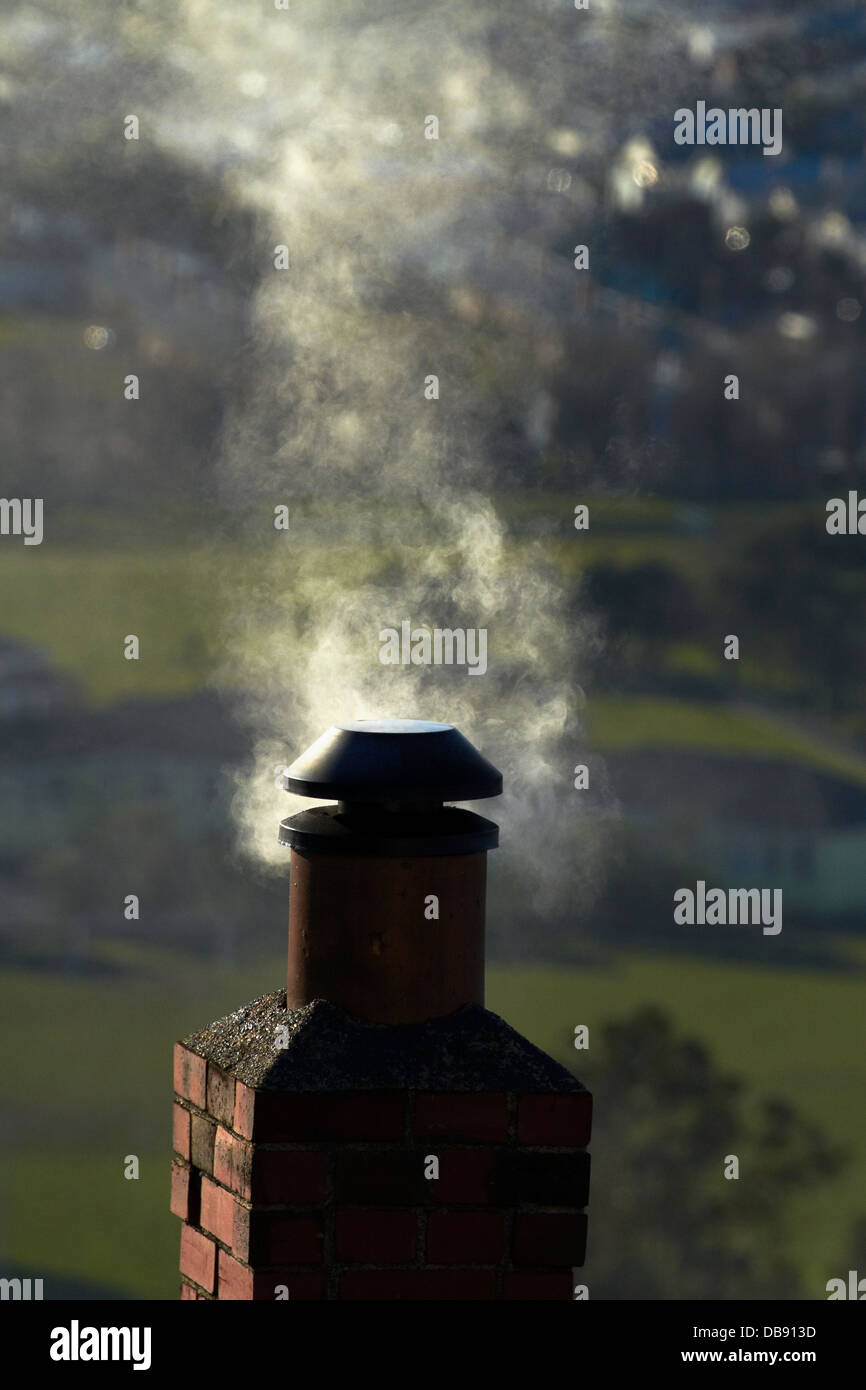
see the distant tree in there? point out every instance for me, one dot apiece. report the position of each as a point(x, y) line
point(664, 1221)
point(854, 1254)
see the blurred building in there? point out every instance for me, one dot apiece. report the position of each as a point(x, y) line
point(30, 687)
point(752, 822)
point(59, 775)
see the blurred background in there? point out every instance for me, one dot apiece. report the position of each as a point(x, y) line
point(305, 388)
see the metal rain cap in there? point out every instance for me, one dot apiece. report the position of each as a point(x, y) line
point(376, 760)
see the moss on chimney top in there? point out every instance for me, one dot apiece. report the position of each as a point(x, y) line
point(322, 1048)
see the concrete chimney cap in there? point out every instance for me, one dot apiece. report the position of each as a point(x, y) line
point(372, 761)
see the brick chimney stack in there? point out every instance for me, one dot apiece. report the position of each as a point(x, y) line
point(374, 1132)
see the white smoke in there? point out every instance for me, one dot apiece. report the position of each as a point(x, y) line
point(408, 257)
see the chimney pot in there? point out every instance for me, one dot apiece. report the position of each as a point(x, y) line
point(365, 871)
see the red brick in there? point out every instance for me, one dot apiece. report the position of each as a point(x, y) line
point(535, 1286)
point(301, 1287)
point(245, 1103)
point(180, 1191)
point(233, 1162)
point(482, 1116)
point(465, 1237)
point(289, 1177)
point(458, 1284)
point(201, 1143)
point(549, 1238)
point(197, 1258)
point(237, 1282)
point(557, 1120)
point(465, 1176)
point(189, 1075)
point(279, 1117)
point(260, 1238)
point(539, 1178)
point(376, 1237)
point(389, 1177)
point(180, 1131)
point(223, 1216)
point(284, 1177)
point(278, 1238)
point(220, 1094)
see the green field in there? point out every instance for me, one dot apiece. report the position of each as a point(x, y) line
point(92, 1083)
point(78, 604)
point(619, 722)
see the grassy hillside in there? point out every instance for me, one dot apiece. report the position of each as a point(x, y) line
point(619, 722)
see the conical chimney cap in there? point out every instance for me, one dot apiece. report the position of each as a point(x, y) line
point(393, 760)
